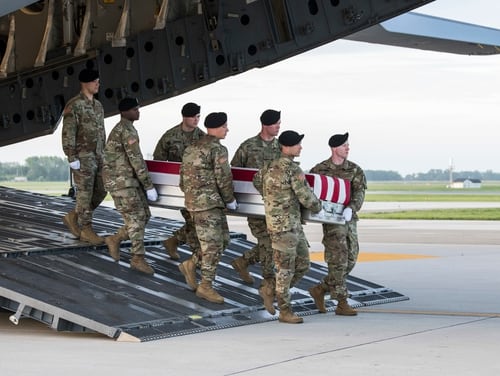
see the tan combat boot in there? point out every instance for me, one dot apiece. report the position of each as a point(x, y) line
point(318, 294)
point(344, 309)
point(139, 263)
point(287, 316)
point(205, 291)
point(240, 265)
point(71, 222)
point(113, 243)
point(188, 269)
point(266, 292)
point(171, 246)
point(88, 235)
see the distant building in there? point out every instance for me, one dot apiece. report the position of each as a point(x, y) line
point(20, 179)
point(461, 183)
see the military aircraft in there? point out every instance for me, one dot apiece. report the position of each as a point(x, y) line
point(156, 49)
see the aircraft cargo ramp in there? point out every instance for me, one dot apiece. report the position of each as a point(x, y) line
point(47, 275)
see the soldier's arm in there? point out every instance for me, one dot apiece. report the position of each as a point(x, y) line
point(257, 181)
point(358, 188)
point(181, 177)
point(136, 160)
point(303, 191)
point(223, 175)
point(239, 159)
point(160, 152)
point(70, 125)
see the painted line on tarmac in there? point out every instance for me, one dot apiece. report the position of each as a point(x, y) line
point(374, 256)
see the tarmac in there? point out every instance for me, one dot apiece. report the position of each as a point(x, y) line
point(450, 270)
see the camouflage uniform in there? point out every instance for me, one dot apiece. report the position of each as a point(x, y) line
point(341, 241)
point(83, 138)
point(254, 153)
point(172, 144)
point(171, 147)
point(127, 178)
point(284, 189)
point(207, 183)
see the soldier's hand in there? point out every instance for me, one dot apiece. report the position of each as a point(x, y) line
point(152, 194)
point(232, 205)
point(347, 213)
point(75, 165)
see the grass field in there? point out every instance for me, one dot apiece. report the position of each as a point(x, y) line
point(377, 192)
point(432, 186)
point(433, 192)
point(480, 214)
point(50, 187)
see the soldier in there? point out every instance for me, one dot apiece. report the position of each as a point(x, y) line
point(340, 241)
point(254, 153)
point(285, 189)
point(207, 183)
point(127, 179)
point(83, 138)
point(170, 147)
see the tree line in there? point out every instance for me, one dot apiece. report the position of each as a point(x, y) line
point(36, 169)
point(431, 175)
point(57, 169)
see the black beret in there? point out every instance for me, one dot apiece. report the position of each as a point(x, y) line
point(290, 138)
point(215, 119)
point(338, 140)
point(127, 104)
point(88, 75)
point(190, 109)
point(270, 117)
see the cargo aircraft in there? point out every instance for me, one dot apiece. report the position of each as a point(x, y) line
point(155, 50)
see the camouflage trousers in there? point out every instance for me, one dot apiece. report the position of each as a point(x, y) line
point(352, 246)
point(291, 258)
point(263, 251)
point(134, 208)
point(180, 234)
point(187, 233)
point(213, 234)
point(336, 257)
point(90, 190)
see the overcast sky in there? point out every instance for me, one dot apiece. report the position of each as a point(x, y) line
point(405, 110)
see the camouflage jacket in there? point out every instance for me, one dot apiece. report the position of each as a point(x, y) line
point(349, 171)
point(83, 132)
point(284, 188)
point(124, 165)
point(254, 152)
point(172, 144)
point(205, 176)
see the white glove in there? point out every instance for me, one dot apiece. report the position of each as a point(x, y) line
point(75, 165)
point(232, 205)
point(152, 194)
point(347, 213)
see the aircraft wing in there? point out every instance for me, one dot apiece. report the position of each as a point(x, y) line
point(9, 6)
point(420, 31)
point(154, 50)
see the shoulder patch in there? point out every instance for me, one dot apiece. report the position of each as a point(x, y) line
point(67, 110)
point(132, 140)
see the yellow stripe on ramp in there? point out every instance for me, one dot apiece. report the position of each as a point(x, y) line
point(374, 256)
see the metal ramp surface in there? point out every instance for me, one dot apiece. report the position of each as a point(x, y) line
point(47, 275)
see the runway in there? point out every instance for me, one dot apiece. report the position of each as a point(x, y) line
point(450, 325)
